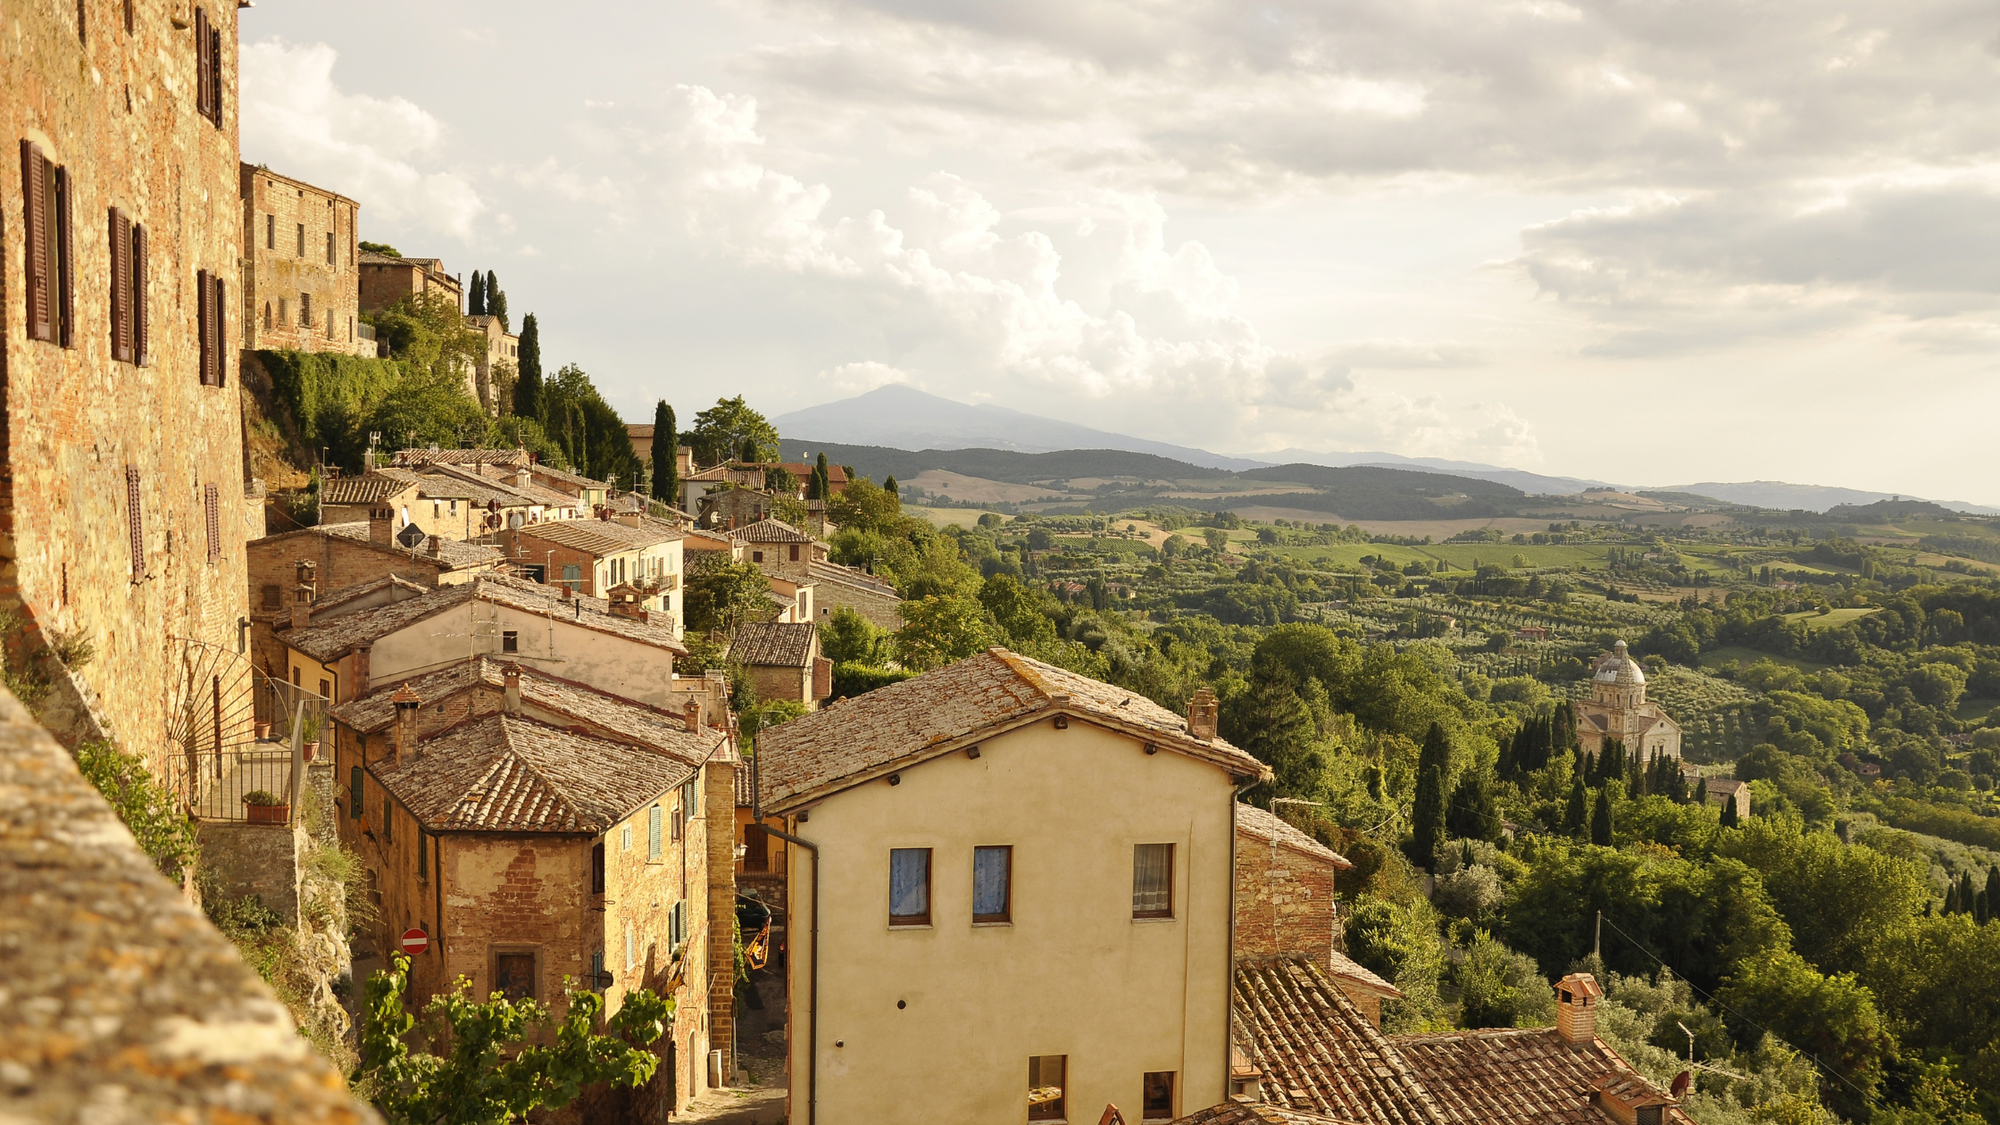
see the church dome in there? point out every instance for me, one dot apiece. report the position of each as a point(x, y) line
point(1618, 668)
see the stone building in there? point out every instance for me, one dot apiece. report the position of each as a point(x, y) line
point(779, 549)
point(502, 354)
point(783, 662)
point(386, 279)
point(1005, 838)
point(835, 586)
point(1617, 708)
point(122, 521)
point(1285, 900)
point(302, 277)
point(593, 557)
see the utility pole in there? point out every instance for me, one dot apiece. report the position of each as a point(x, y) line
point(1597, 943)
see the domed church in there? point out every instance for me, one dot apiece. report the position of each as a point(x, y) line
point(1617, 708)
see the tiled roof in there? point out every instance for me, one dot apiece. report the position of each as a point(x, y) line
point(847, 575)
point(340, 636)
point(714, 473)
point(902, 724)
point(500, 483)
point(407, 457)
point(454, 554)
point(1522, 1076)
point(602, 537)
point(370, 489)
point(334, 599)
point(1269, 827)
point(770, 531)
point(706, 540)
point(1238, 1111)
point(1345, 968)
point(1319, 1054)
point(789, 644)
point(504, 773)
point(567, 477)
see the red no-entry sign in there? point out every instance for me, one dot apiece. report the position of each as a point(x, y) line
point(415, 942)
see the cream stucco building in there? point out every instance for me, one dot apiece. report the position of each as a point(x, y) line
point(1617, 708)
point(1010, 899)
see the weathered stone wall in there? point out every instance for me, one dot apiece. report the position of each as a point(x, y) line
point(881, 607)
point(1284, 900)
point(241, 859)
point(122, 1002)
point(272, 564)
point(719, 782)
point(115, 107)
point(299, 240)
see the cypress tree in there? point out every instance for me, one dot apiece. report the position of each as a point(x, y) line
point(1507, 767)
point(1436, 753)
point(889, 484)
point(1429, 816)
point(496, 301)
point(1563, 727)
point(1967, 897)
point(1951, 899)
point(1473, 814)
point(748, 454)
point(817, 488)
point(1729, 812)
point(475, 301)
point(1600, 820)
point(1700, 792)
point(1577, 813)
point(528, 387)
point(666, 456)
point(1993, 891)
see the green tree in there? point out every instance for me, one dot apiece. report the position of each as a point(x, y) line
point(504, 1058)
point(819, 486)
point(846, 637)
point(864, 507)
point(426, 332)
point(1427, 818)
point(475, 296)
point(496, 301)
point(938, 630)
point(666, 456)
point(1215, 537)
point(1501, 988)
point(1832, 1017)
point(528, 385)
point(725, 595)
point(889, 485)
point(591, 435)
point(731, 429)
point(1600, 819)
point(1577, 812)
point(426, 408)
point(1474, 813)
point(1729, 818)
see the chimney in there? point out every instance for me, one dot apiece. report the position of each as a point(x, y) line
point(407, 702)
point(692, 715)
point(302, 596)
point(523, 478)
point(625, 603)
point(1201, 715)
point(567, 593)
point(360, 672)
point(382, 526)
point(630, 519)
point(434, 546)
point(1576, 1008)
point(511, 676)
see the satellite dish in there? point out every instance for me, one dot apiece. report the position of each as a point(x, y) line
point(1680, 1087)
point(411, 536)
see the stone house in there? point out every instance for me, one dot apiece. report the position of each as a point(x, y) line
point(698, 486)
point(1721, 789)
point(121, 238)
point(726, 509)
point(502, 353)
point(1617, 708)
point(779, 549)
point(302, 278)
point(1008, 838)
point(795, 600)
point(698, 540)
point(586, 639)
point(783, 662)
point(835, 586)
point(593, 556)
point(386, 279)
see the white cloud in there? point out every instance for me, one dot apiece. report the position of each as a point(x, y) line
point(300, 123)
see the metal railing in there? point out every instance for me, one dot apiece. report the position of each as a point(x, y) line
point(234, 733)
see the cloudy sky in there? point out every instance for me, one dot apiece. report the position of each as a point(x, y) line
point(1651, 241)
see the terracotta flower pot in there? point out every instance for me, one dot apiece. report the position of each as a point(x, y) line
point(269, 814)
point(312, 750)
point(263, 732)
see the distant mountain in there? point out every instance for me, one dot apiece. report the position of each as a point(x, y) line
point(1007, 465)
point(1515, 478)
point(1809, 497)
point(902, 417)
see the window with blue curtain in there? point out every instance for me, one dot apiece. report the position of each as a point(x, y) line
point(992, 884)
point(909, 886)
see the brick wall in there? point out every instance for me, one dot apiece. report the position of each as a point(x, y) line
point(290, 231)
point(720, 782)
point(116, 109)
point(1284, 900)
point(881, 607)
point(338, 563)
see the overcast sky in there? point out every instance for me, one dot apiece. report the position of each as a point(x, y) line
point(1651, 242)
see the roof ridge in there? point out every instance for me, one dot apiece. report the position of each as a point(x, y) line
point(1014, 662)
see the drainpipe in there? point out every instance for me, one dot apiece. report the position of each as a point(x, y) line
point(812, 1021)
point(1229, 992)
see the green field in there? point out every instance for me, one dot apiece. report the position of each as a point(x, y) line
point(1834, 619)
point(1714, 656)
point(945, 517)
point(1456, 556)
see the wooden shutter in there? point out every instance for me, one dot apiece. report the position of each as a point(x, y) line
point(135, 525)
point(141, 342)
point(35, 208)
point(204, 94)
point(215, 75)
point(203, 320)
point(65, 258)
point(211, 501)
point(121, 287)
point(218, 317)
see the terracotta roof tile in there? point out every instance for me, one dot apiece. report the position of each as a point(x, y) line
point(851, 576)
point(909, 722)
point(372, 488)
point(770, 531)
point(788, 644)
point(602, 537)
point(1345, 968)
point(1318, 1052)
point(407, 457)
point(338, 637)
point(1269, 827)
point(1522, 1076)
point(1237, 1111)
point(453, 553)
point(504, 773)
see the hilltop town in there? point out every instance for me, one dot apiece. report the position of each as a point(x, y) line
point(394, 731)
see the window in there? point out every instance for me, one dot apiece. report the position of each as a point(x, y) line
point(510, 640)
point(305, 310)
point(756, 556)
point(597, 868)
point(514, 975)
point(795, 552)
point(302, 246)
point(573, 575)
point(653, 833)
point(597, 970)
point(1153, 881)
point(274, 598)
point(211, 504)
point(756, 848)
point(325, 689)
point(677, 925)
point(355, 792)
point(128, 289)
point(208, 68)
point(677, 826)
point(388, 820)
point(211, 296)
point(45, 191)
point(1045, 1087)
point(423, 854)
point(135, 523)
point(992, 884)
point(691, 795)
point(329, 248)
point(270, 232)
point(1156, 1098)
point(284, 311)
point(909, 886)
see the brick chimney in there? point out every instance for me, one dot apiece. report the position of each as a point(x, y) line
point(302, 595)
point(1577, 996)
point(1202, 710)
point(625, 603)
point(567, 593)
point(406, 702)
point(691, 714)
point(361, 656)
point(510, 675)
point(382, 526)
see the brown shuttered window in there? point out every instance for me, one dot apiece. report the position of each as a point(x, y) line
point(215, 75)
point(40, 264)
point(65, 259)
point(135, 525)
point(210, 326)
point(142, 353)
point(208, 67)
point(218, 317)
point(211, 502)
point(121, 287)
point(204, 336)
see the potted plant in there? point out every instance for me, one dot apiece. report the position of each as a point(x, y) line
point(263, 731)
point(266, 807)
point(309, 736)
